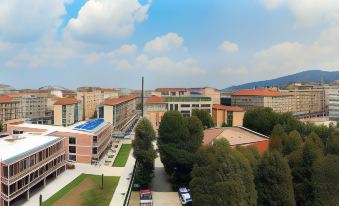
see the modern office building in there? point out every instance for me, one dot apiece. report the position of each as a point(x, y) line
point(85, 142)
point(250, 99)
point(28, 161)
point(206, 92)
point(230, 115)
point(237, 136)
point(225, 98)
point(91, 98)
point(9, 108)
point(333, 103)
point(118, 111)
point(67, 111)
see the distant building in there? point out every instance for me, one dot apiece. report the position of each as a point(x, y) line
point(225, 98)
point(67, 111)
point(85, 142)
point(250, 99)
point(5, 89)
point(9, 108)
point(155, 107)
point(206, 92)
point(27, 160)
point(333, 103)
point(109, 93)
point(237, 136)
point(232, 116)
point(172, 92)
point(118, 111)
point(91, 98)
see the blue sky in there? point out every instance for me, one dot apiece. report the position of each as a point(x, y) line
point(191, 43)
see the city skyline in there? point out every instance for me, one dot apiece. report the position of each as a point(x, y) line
point(113, 43)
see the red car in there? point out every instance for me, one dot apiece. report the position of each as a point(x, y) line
point(146, 198)
point(70, 166)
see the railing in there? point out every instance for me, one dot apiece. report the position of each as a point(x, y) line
point(129, 191)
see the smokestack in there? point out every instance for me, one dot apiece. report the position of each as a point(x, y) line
point(142, 96)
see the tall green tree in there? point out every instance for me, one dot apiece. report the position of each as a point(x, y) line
point(179, 139)
point(252, 155)
point(332, 146)
point(144, 152)
point(222, 177)
point(325, 180)
point(1, 127)
point(277, 138)
point(205, 118)
point(274, 181)
point(293, 142)
point(261, 119)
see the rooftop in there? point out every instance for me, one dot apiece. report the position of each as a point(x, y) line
point(170, 89)
point(258, 92)
point(6, 99)
point(115, 101)
point(154, 99)
point(12, 149)
point(66, 101)
point(234, 135)
point(228, 108)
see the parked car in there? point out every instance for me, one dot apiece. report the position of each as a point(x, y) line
point(70, 166)
point(146, 198)
point(185, 196)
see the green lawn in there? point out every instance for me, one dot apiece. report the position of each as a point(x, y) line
point(96, 195)
point(121, 159)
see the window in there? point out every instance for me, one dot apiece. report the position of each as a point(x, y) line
point(95, 139)
point(72, 149)
point(229, 118)
point(195, 105)
point(186, 113)
point(71, 140)
point(185, 105)
point(94, 150)
point(205, 105)
point(72, 158)
point(176, 107)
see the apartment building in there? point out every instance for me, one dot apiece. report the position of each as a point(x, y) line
point(206, 92)
point(118, 111)
point(250, 99)
point(232, 116)
point(155, 107)
point(67, 111)
point(172, 92)
point(91, 98)
point(333, 103)
point(85, 142)
point(109, 93)
point(9, 108)
point(28, 161)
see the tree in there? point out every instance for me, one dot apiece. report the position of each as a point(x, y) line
point(274, 181)
point(316, 140)
point(205, 117)
point(222, 177)
point(332, 146)
point(293, 142)
point(252, 155)
point(1, 127)
point(179, 139)
point(326, 180)
point(261, 119)
point(144, 152)
point(277, 138)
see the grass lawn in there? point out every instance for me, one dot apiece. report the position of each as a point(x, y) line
point(121, 159)
point(94, 196)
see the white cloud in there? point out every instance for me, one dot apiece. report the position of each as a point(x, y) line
point(292, 57)
point(234, 71)
point(28, 20)
point(308, 12)
point(164, 43)
point(102, 20)
point(229, 47)
point(168, 65)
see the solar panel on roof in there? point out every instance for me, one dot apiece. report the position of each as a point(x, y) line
point(90, 125)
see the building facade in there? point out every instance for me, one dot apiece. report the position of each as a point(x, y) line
point(85, 142)
point(232, 116)
point(9, 108)
point(91, 98)
point(67, 111)
point(154, 110)
point(28, 161)
point(250, 99)
point(118, 111)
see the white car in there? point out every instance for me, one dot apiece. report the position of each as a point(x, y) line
point(185, 196)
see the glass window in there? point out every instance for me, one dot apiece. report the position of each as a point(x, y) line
point(71, 140)
point(73, 158)
point(72, 149)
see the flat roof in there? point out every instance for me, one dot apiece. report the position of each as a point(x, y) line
point(25, 144)
point(234, 135)
point(71, 128)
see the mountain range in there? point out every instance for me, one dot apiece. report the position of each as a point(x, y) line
point(314, 76)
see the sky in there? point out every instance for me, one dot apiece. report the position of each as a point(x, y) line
point(176, 43)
